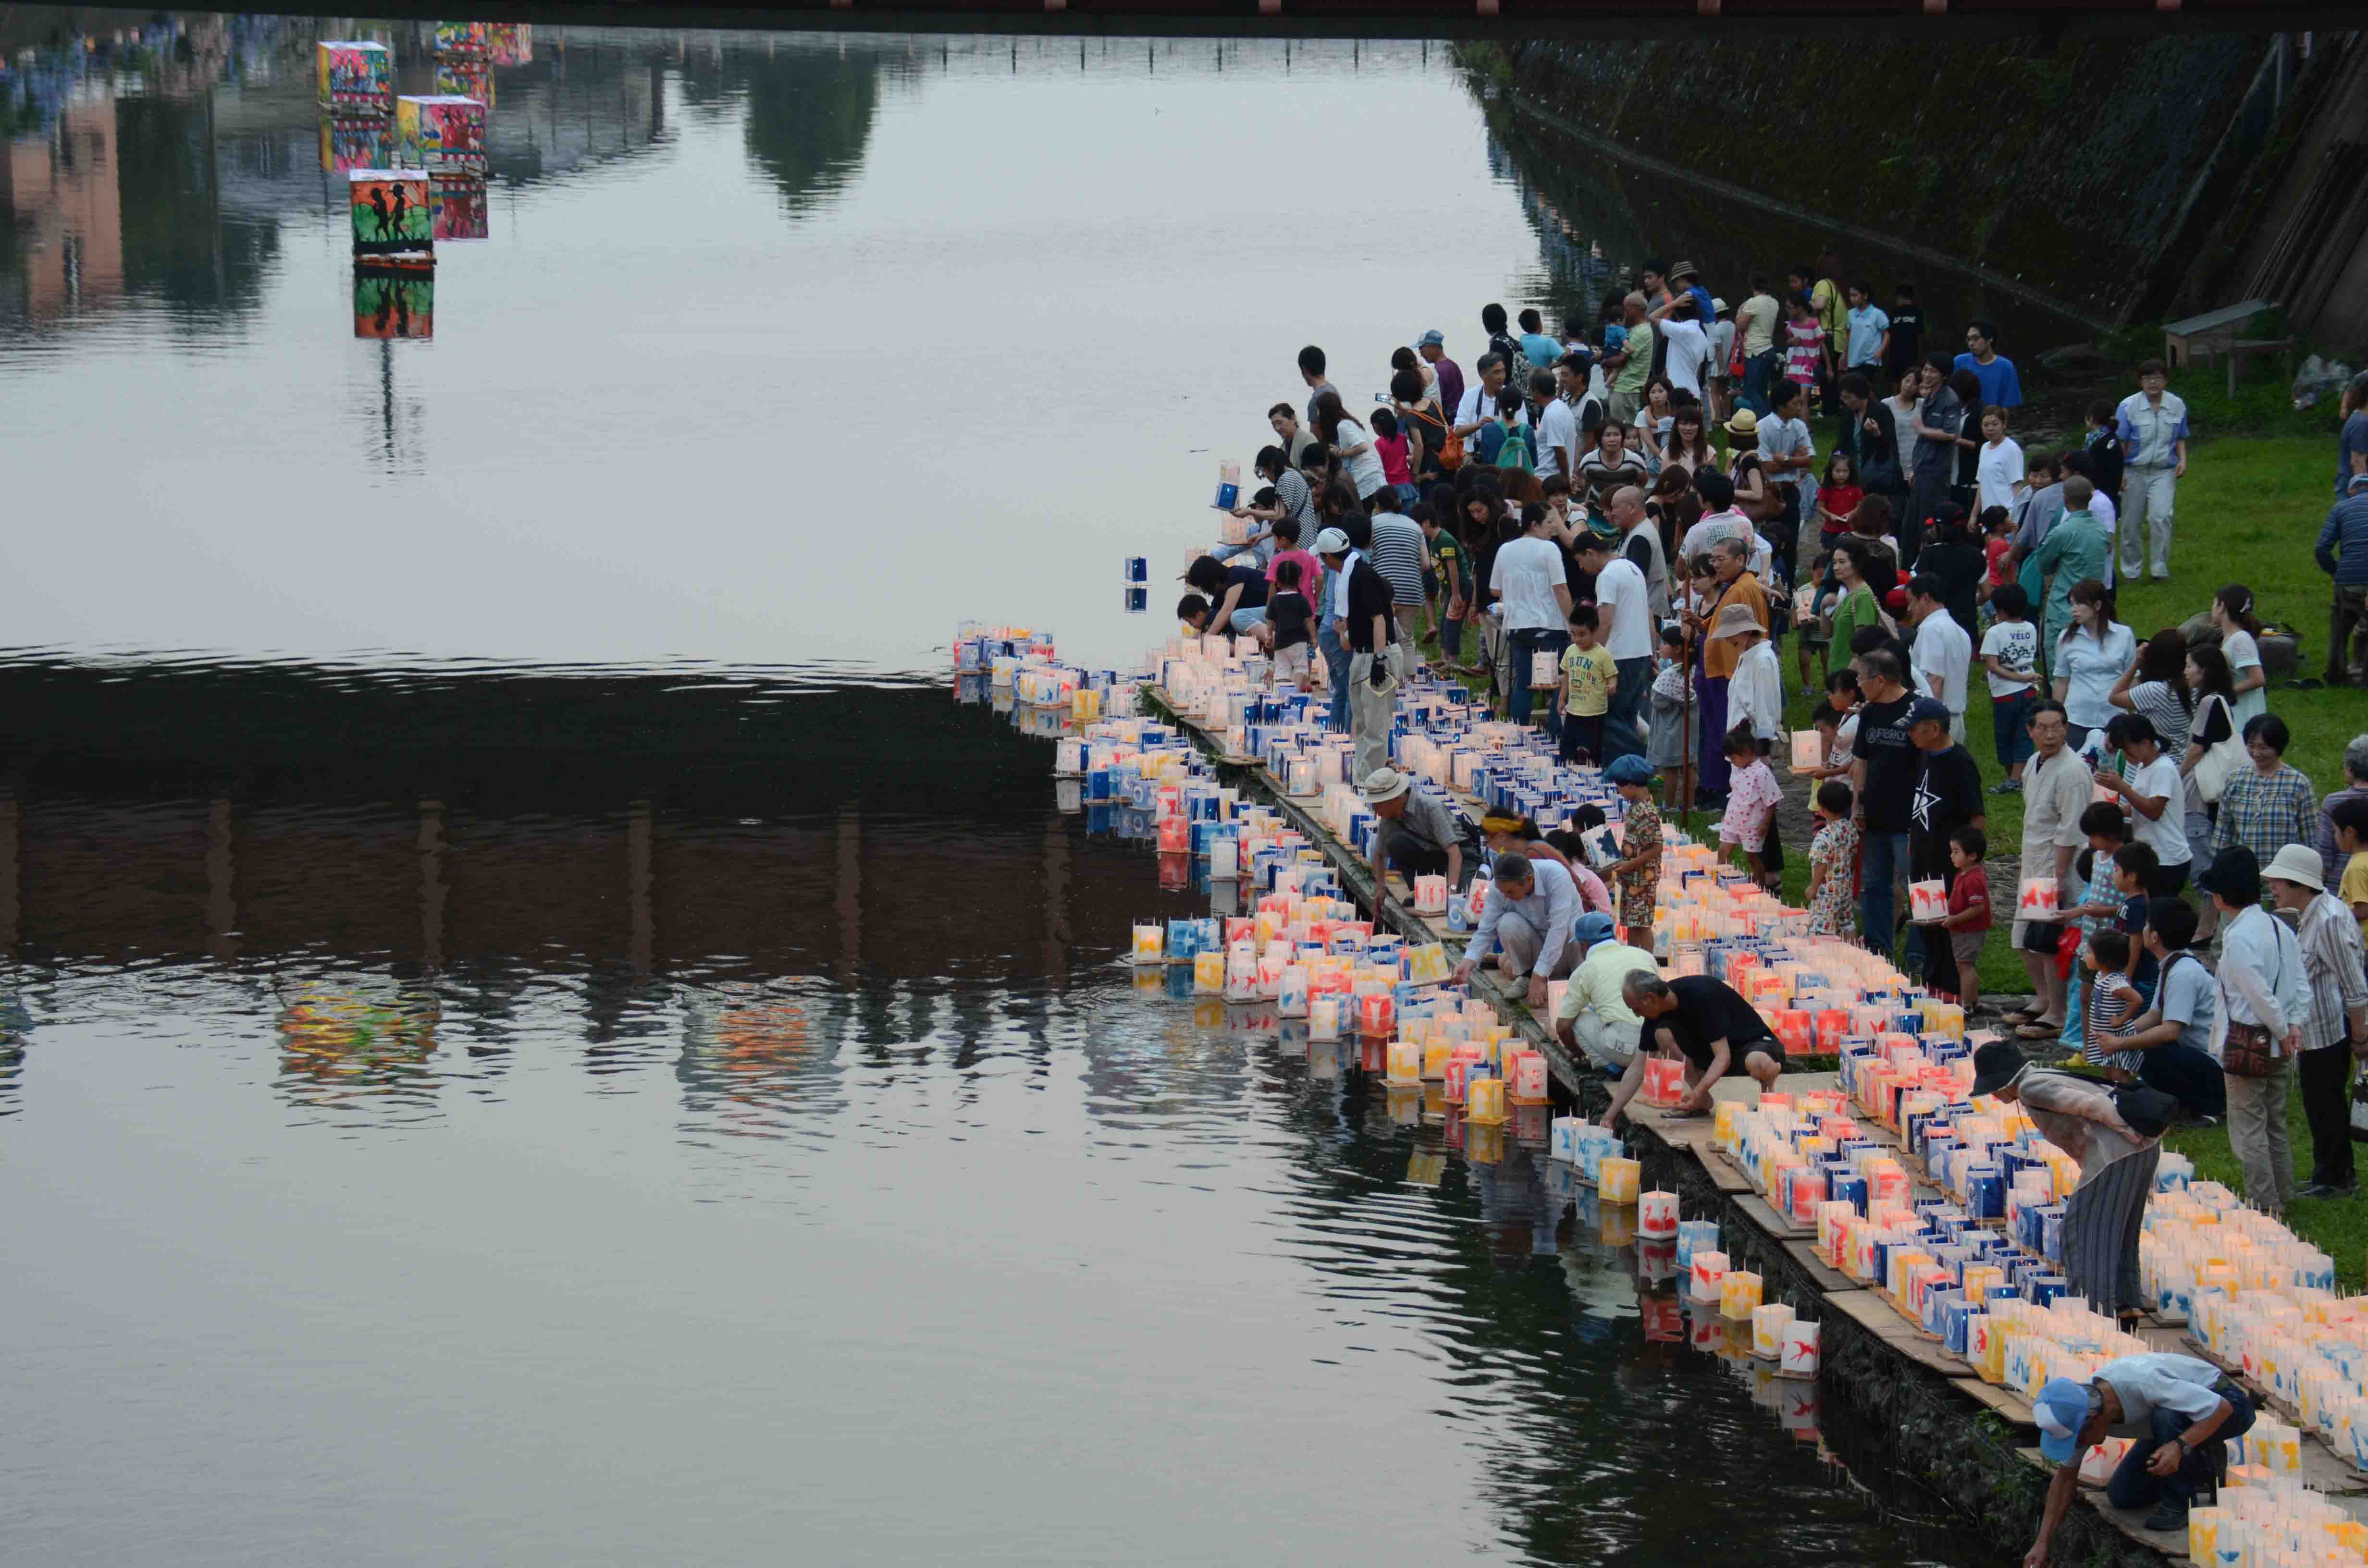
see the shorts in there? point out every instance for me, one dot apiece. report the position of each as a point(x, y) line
point(1290, 665)
point(1248, 616)
point(1966, 947)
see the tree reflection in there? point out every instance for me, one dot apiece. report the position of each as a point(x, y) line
point(808, 112)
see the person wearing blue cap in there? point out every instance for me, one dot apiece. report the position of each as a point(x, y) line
point(2180, 1411)
point(1594, 1017)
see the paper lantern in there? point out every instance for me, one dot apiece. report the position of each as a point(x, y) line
point(354, 78)
point(1737, 1294)
point(1768, 1321)
point(392, 212)
point(1707, 1274)
point(444, 131)
point(2036, 899)
point(1291, 997)
point(1430, 895)
point(1150, 943)
point(1209, 973)
point(1808, 750)
point(1484, 1101)
point(1428, 965)
point(1798, 1357)
point(1546, 668)
point(1324, 1016)
point(1657, 1216)
point(1928, 902)
point(1405, 1062)
point(1377, 1016)
point(1665, 1081)
point(1618, 1179)
point(1528, 1075)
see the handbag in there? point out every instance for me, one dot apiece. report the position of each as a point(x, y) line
point(2360, 1105)
point(2248, 1051)
point(2219, 760)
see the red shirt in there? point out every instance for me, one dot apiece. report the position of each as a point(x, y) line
point(1996, 549)
point(1392, 450)
point(1967, 887)
point(1840, 501)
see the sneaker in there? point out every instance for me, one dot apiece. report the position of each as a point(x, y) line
point(2170, 1514)
point(2006, 787)
point(2324, 1189)
point(2160, 575)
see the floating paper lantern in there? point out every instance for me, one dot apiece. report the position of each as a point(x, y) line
point(1618, 1179)
point(1291, 997)
point(1928, 902)
point(1768, 1321)
point(1798, 1357)
point(1528, 1073)
point(1323, 1016)
point(1150, 943)
point(1737, 1294)
point(392, 212)
point(1209, 973)
point(1707, 1273)
point(354, 78)
point(1484, 1101)
point(1426, 965)
point(1657, 1216)
point(1377, 1016)
point(1405, 1062)
point(443, 132)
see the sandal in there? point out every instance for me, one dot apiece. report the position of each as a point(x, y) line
point(2039, 1031)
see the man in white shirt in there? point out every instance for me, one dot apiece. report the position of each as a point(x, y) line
point(1942, 652)
point(1558, 449)
point(2261, 989)
point(1479, 403)
point(2152, 427)
point(1721, 520)
point(1624, 623)
point(1573, 380)
point(1533, 590)
point(1689, 347)
point(1759, 318)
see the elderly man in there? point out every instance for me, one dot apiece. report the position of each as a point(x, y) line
point(2151, 424)
point(1420, 835)
point(2355, 787)
point(1595, 1017)
point(2056, 788)
point(1706, 1021)
point(1720, 655)
point(1526, 921)
point(1478, 403)
point(2180, 1411)
point(1641, 545)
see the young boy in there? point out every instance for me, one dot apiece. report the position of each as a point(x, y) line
point(1588, 676)
point(1288, 612)
point(2111, 1004)
point(1637, 873)
point(1968, 919)
point(1818, 593)
point(2135, 865)
point(1750, 819)
point(2011, 656)
point(1454, 572)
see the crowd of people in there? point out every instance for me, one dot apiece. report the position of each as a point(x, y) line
point(1611, 530)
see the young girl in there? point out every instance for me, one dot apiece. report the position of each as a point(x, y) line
point(2232, 612)
point(1838, 498)
point(2112, 1002)
point(1637, 872)
point(1287, 611)
point(1833, 903)
point(1752, 799)
point(1390, 442)
point(1804, 347)
point(1669, 747)
point(2010, 659)
point(1818, 592)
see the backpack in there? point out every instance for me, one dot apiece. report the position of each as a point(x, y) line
point(1515, 452)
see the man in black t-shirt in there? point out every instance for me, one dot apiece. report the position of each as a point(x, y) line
point(1947, 796)
point(1885, 778)
point(1707, 1022)
point(1903, 341)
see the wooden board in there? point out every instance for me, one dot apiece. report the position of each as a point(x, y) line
point(1829, 1280)
point(1871, 1310)
point(2012, 1406)
point(1759, 1212)
point(2129, 1521)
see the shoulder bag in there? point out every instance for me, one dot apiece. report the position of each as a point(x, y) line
point(2250, 1052)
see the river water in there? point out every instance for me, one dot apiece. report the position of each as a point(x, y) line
point(533, 1028)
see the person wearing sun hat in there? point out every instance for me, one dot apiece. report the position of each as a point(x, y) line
point(1420, 834)
point(2335, 1014)
point(2116, 1135)
point(2180, 1412)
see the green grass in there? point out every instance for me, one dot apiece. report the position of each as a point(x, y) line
point(2338, 1226)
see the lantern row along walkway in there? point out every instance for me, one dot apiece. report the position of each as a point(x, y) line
point(1930, 1401)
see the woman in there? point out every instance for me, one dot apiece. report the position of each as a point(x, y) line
point(1349, 442)
point(1674, 508)
point(1519, 836)
point(1755, 493)
point(1906, 400)
point(2094, 650)
point(2213, 750)
point(1688, 450)
point(2232, 612)
point(1419, 416)
point(2156, 686)
point(1854, 561)
point(1404, 360)
point(1656, 418)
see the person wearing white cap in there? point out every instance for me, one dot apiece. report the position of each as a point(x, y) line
point(1419, 833)
point(1370, 638)
point(2336, 1015)
point(2180, 1411)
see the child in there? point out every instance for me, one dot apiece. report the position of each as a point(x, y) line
point(2099, 906)
point(1998, 467)
point(1670, 743)
point(1454, 572)
point(1288, 613)
point(1588, 676)
point(1804, 347)
point(1817, 596)
point(1390, 446)
point(2135, 865)
point(1749, 823)
point(1637, 873)
point(2111, 1003)
point(1286, 548)
point(2103, 446)
point(1511, 446)
point(2011, 656)
point(1997, 542)
point(1827, 722)
point(1833, 904)
point(1969, 911)
point(1837, 498)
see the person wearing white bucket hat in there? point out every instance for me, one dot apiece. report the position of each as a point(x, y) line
point(1371, 637)
point(2335, 1016)
point(1420, 834)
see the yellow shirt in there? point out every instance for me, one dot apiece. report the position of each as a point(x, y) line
point(1589, 675)
point(2354, 889)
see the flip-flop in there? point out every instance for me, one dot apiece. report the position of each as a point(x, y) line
point(2037, 1031)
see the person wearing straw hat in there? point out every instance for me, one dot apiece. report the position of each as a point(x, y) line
point(2180, 1411)
point(1420, 834)
point(2336, 1014)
